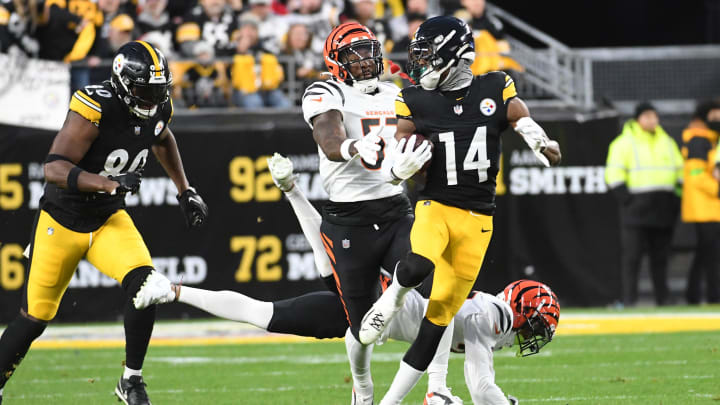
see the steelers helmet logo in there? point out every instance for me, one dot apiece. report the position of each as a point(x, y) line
point(118, 63)
point(159, 127)
point(488, 107)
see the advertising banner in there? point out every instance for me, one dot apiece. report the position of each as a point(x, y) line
point(557, 225)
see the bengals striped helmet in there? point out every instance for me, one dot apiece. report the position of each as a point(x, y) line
point(536, 312)
point(353, 56)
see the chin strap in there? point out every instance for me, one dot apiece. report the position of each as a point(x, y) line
point(366, 86)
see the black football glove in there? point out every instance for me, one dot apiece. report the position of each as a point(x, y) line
point(193, 207)
point(129, 182)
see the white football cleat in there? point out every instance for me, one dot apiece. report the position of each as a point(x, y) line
point(442, 396)
point(281, 170)
point(156, 289)
point(377, 319)
point(359, 400)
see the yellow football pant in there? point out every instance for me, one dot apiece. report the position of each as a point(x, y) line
point(455, 240)
point(116, 248)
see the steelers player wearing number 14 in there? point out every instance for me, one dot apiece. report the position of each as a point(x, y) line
point(463, 116)
point(95, 159)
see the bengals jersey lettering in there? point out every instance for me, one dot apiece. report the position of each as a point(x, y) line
point(122, 145)
point(464, 127)
point(354, 180)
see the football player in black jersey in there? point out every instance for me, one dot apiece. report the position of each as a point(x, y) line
point(95, 159)
point(463, 116)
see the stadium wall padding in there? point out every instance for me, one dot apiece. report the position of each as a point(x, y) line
point(557, 225)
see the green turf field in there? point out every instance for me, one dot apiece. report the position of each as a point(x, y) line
point(675, 368)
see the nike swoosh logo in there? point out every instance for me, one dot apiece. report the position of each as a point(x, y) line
point(485, 230)
point(319, 99)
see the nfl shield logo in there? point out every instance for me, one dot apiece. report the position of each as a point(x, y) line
point(137, 130)
point(346, 243)
point(458, 109)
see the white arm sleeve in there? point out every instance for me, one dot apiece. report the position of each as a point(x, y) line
point(321, 97)
point(479, 371)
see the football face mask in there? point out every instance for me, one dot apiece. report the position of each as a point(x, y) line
point(533, 335)
point(421, 59)
point(362, 59)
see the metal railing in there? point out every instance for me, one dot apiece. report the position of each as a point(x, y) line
point(553, 73)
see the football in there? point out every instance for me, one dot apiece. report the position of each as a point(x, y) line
point(419, 138)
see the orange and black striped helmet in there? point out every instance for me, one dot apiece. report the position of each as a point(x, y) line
point(536, 313)
point(351, 43)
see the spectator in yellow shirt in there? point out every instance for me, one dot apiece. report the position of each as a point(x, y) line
point(701, 202)
point(256, 74)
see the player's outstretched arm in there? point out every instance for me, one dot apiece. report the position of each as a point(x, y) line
point(329, 133)
point(193, 207)
point(68, 148)
point(167, 153)
point(547, 150)
point(479, 377)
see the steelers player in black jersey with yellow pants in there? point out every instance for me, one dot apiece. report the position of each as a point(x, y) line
point(463, 116)
point(95, 159)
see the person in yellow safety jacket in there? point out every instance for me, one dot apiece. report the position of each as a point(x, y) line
point(701, 201)
point(644, 172)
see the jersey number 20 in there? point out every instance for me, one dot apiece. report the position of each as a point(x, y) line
point(475, 159)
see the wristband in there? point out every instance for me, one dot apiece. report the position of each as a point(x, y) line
point(72, 178)
point(345, 149)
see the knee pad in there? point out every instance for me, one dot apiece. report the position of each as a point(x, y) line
point(44, 311)
point(135, 279)
point(441, 312)
point(413, 270)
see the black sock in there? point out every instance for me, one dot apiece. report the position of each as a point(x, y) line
point(138, 324)
point(15, 342)
point(423, 349)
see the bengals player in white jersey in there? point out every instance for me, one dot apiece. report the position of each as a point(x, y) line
point(366, 223)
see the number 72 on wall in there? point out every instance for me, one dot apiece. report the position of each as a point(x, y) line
point(265, 251)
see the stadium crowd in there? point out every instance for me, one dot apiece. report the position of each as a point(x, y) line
point(228, 52)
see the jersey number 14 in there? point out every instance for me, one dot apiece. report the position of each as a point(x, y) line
point(475, 159)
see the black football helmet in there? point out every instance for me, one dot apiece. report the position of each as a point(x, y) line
point(141, 77)
point(439, 44)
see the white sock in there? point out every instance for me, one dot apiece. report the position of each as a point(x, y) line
point(397, 291)
point(437, 370)
point(359, 355)
point(130, 372)
point(310, 220)
point(229, 305)
point(402, 384)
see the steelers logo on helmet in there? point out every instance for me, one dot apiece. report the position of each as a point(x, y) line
point(118, 63)
point(488, 106)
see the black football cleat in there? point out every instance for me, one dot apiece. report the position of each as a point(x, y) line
point(131, 391)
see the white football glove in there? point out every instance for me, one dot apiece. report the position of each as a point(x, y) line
point(367, 147)
point(408, 161)
point(534, 136)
